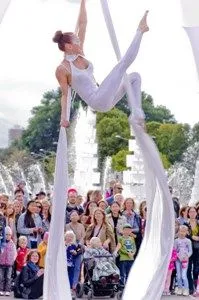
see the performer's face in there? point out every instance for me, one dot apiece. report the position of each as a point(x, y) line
point(74, 46)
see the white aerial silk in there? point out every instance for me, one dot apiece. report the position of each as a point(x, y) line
point(147, 277)
point(3, 7)
point(56, 283)
point(190, 11)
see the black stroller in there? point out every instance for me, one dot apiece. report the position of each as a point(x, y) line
point(105, 286)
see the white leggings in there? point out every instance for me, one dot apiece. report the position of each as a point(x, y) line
point(112, 89)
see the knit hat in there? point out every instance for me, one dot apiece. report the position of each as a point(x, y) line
point(127, 226)
point(8, 230)
point(72, 190)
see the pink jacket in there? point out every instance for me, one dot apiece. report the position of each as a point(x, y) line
point(8, 254)
point(173, 259)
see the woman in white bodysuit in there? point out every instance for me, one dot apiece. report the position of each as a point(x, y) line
point(77, 72)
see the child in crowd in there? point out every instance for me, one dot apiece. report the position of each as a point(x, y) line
point(7, 259)
point(22, 253)
point(72, 250)
point(184, 251)
point(169, 273)
point(2, 225)
point(42, 248)
point(126, 248)
point(103, 267)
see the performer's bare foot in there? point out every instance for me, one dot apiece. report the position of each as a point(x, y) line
point(143, 27)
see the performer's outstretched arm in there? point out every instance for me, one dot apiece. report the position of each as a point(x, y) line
point(81, 25)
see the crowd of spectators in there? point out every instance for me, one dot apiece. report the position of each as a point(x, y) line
point(94, 223)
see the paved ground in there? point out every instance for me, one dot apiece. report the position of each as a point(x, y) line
point(163, 298)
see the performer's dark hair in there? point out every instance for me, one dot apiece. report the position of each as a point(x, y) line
point(62, 38)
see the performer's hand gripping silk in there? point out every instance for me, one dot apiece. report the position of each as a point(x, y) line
point(77, 72)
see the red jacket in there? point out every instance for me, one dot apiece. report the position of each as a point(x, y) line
point(21, 258)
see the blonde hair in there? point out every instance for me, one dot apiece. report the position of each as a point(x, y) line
point(183, 227)
point(45, 201)
point(94, 241)
point(22, 238)
point(70, 233)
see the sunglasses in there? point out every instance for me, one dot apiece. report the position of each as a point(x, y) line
point(39, 206)
point(119, 188)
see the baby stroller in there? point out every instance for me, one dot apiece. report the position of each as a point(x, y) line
point(105, 286)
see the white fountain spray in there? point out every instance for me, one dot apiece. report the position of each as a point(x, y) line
point(3, 188)
point(134, 179)
point(35, 178)
point(85, 175)
point(195, 189)
point(107, 172)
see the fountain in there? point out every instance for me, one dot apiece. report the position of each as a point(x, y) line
point(195, 189)
point(134, 179)
point(86, 175)
point(11, 175)
point(107, 175)
point(182, 174)
point(35, 178)
point(82, 157)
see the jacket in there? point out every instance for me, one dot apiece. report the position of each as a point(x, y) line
point(21, 258)
point(24, 281)
point(8, 255)
point(105, 233)
point(22, 230)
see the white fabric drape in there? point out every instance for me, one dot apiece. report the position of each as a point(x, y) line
point(56, 283)
point(193, 34)
point(190, 15)
point(3, 7)
point(147, 277)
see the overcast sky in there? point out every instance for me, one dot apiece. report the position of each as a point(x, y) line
point(28, 58)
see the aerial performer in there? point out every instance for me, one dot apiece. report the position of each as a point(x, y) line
point(76, 72)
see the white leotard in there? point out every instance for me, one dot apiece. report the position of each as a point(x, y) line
point(82, 80)
point(102, 98)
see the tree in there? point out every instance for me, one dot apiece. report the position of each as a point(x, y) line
point(195, 133)
point(157, 113)
point(43, 128)
point(49, 165)
point(119, 161)
point(173, 140)
point(152, 128)
point(109, 126)
point(165, 161)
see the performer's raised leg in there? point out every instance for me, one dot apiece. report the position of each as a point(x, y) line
point(104, 98)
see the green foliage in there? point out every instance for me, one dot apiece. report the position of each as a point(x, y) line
point(157, 113)
point(109, 125)
point(152, 128)
point(172, 140)
point(49, 165)
point(195, 133)
point(165, 161)
point(43, 128)
point(119, 160)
